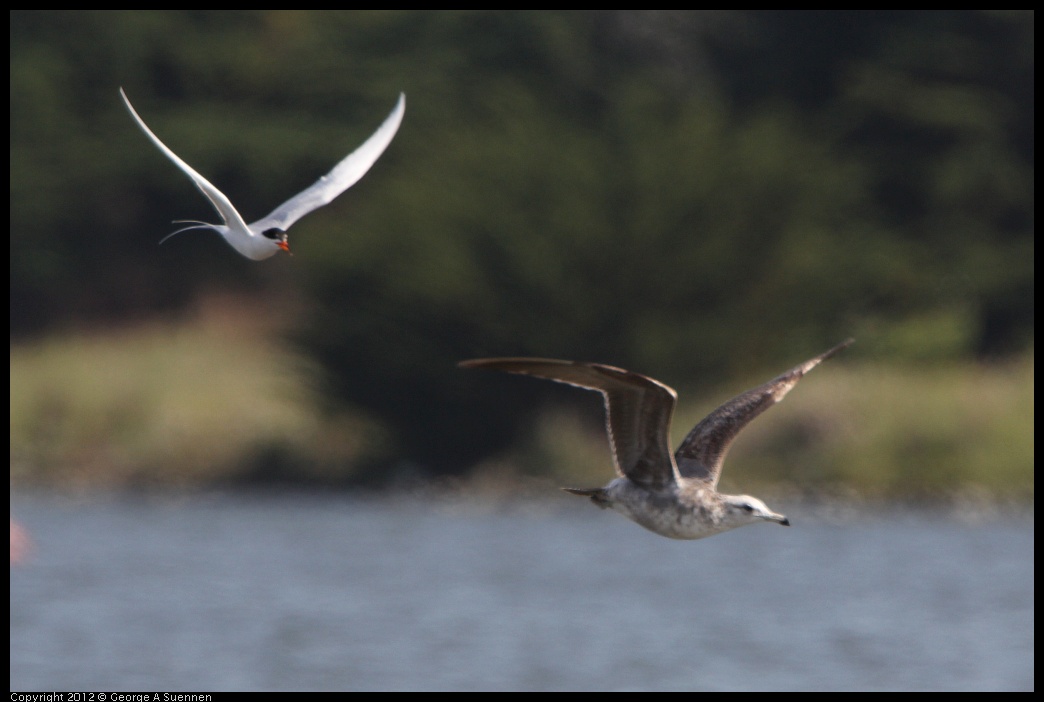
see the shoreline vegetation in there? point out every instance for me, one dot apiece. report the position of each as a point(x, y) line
point(218, 401)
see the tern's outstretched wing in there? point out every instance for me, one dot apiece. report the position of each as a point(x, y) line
point(702, 453)
point(217, 198)
point(638, 411)
point(343, 176)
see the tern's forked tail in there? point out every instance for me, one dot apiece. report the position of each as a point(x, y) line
point(195, 224)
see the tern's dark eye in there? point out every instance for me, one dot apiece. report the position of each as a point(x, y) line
point(274, 233)
point(748, 508)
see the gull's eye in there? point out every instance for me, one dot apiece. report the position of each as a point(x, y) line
point(274, 233)
point(748, 508)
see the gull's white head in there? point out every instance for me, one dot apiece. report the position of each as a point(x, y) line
point(744, 509)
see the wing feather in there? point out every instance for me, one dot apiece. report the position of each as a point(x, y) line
point(702, 453)
point(343, 176)
point(638, 411)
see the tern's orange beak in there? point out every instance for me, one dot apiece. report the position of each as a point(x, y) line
point(284, 246)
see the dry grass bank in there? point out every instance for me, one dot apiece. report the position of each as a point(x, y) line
point(216, 398)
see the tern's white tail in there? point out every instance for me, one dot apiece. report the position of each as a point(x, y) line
point(195, 225)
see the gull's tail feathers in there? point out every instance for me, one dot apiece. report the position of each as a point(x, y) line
point(597, 495)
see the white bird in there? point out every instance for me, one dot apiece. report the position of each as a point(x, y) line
point(267, 236)
point(675, 496)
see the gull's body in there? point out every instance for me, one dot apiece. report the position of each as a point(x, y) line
point(267, 236)
point(673, 495)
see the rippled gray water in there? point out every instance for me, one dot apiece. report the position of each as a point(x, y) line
point(341, 593)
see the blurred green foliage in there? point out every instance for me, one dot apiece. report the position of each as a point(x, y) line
point(688, 194)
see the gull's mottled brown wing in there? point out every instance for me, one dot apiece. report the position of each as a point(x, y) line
point(702, 453)
point(638, 411)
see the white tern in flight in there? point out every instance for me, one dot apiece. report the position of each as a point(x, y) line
point(267, 236)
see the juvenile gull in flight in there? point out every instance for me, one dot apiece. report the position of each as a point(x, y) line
point(267, 236)
point(675, 496)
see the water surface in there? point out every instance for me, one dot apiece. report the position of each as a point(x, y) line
point(305, 592)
